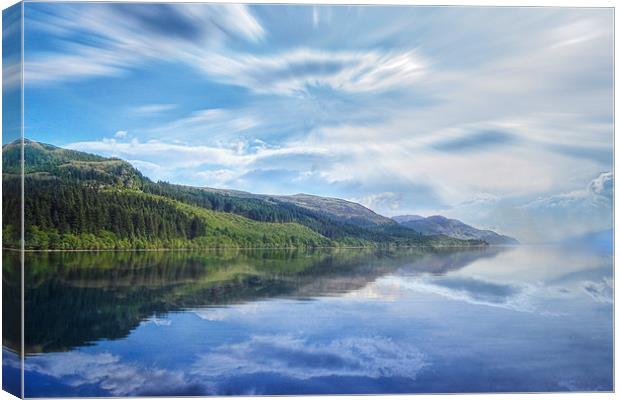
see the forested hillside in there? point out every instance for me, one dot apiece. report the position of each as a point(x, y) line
point(75, 200)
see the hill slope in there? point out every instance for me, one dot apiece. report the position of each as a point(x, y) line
point(346, 211)
point(75, 200)
point(439, 225)
point(330, 207)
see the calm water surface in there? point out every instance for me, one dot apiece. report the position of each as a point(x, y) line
point(339, 321)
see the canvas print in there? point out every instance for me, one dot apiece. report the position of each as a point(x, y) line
point(233, 199)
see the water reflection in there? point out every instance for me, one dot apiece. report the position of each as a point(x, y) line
point(330, 321)
point(80, 297)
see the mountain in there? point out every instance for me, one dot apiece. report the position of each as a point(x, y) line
point(75, 200)
point(401, 219)
point(333, 208)
point(439, 225)
point(342, 210)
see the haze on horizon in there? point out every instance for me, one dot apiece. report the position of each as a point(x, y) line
point(500, 117)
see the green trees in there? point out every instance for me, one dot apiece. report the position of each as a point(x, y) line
point(65, 214)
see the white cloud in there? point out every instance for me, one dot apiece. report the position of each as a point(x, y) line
point(120, 134)
point(381, 201)
point(603, 185)
point(548, 218)
point(597, 194)
point(574, 213)
point(295, 70)
point(208, 125)
point(131, 42)
point(316, 17)
point(239, 18)
point(219, 178)
point(169, 154)
point(132, 39)
point(89, 63)
point(215, 165)
point(145, 165)
point(401, 154)
point(153, 108)
point(11, 74)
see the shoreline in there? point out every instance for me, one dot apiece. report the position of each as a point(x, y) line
point(249, 248)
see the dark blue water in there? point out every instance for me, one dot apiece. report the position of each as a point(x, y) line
point(494, 320)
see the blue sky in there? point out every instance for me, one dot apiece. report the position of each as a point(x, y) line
point(499, 116)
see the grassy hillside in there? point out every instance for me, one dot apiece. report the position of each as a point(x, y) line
point(75, 200)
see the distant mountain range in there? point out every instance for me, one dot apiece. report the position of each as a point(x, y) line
point(439, 225)
point(358, 215)
point(76, 200)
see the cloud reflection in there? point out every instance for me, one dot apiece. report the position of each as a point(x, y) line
point(299, 358)
point(602, 291)
point(289, 356)
point(109, 373)
point(517, 297)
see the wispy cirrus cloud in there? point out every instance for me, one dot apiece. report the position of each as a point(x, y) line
point(193, 34)
point(12, 74)
point(208, 125)
point(87, 45)
point(153, 108)
point(295, 70)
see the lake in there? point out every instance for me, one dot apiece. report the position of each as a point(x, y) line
point(526, 318)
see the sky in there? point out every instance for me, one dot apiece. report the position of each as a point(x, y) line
point(501, 117)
